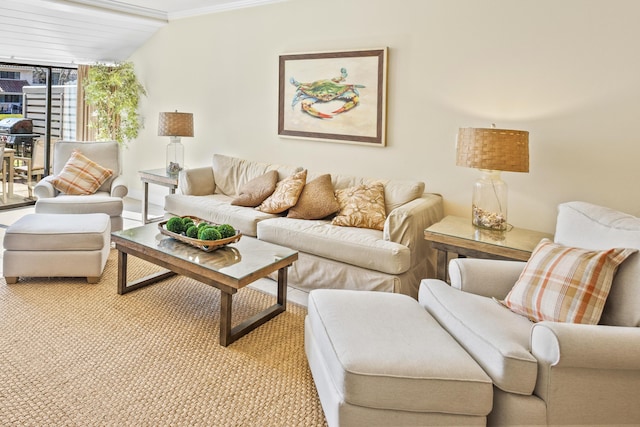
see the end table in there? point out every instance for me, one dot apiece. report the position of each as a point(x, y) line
point(158, 177)
point(457, 235)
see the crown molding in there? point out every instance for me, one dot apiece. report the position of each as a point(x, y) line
point(232, 5)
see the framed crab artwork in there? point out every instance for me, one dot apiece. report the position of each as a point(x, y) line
point(334, 96)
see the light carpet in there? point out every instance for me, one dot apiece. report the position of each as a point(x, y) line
point(78, 354)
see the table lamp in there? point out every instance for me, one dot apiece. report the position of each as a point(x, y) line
point(175, 125)
point(492, 150)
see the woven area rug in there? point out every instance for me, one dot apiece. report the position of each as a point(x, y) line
point(76, 354)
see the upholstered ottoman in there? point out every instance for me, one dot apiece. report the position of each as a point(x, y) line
point(380, 359)
point(57, 245)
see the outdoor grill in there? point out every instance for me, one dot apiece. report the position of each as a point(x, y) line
point(14, 125)
point(17, 133)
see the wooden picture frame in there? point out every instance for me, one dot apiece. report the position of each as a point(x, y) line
point(334, 96)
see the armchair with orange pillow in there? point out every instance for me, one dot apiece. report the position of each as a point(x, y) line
point(85, 178)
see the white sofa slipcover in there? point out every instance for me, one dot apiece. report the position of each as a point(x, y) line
point(392, 260)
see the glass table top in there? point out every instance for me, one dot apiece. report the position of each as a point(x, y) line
point(236, 260)
point(461, 228)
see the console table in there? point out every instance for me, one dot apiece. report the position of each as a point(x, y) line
point(158, 177)
point(456, 235)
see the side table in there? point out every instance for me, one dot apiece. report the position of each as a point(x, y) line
point(158, 177)
point(456, 235)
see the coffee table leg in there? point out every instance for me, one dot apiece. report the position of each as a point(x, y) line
point(282, 287)
point(226, 303)
point(122, 272)
point(124, 287)
point(228, 334)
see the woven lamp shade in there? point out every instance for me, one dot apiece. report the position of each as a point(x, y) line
point(493, 149)
point(175, 124)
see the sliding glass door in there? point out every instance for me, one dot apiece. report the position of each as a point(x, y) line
point(38, 106)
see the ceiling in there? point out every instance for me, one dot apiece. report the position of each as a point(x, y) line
point(67, 32)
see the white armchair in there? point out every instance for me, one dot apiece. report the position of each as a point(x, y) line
point(551, 373)
point(107, 199)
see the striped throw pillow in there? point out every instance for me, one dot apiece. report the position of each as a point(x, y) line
point(565, 284)
point(80, 176)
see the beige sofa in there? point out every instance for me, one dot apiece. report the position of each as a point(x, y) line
point(392, 260)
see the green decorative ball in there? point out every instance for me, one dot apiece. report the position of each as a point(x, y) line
point(201, 230)
point(226, 230)
point(192, 232)
point(175, 225)
point(202, 225)
point(186, 221)
point(210, 233)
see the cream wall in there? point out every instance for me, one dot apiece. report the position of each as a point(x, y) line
point(567, 71)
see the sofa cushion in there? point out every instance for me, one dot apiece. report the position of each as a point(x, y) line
point(216, 208)
point(361, 206)
point(317, 200)
point(384, 351)
point(56, 232)
point(595, 227)
point(257, 190)
point(80, 175)
point(396, 192)
point(100, 201)
point(494, 336)
point(286, 194)
point(565, 284)
point(231, 173)
point(356, 246)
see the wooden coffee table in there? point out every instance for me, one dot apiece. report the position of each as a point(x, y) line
point(229, 269)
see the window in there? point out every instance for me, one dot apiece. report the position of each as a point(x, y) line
point(12, 75)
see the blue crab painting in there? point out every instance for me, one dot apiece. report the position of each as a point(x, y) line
point(326, 90)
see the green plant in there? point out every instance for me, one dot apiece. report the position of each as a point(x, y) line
point(114, 92)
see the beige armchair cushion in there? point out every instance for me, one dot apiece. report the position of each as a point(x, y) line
point(494, 336)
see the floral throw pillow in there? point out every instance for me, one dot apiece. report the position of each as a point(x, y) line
point(285, 195)
point(361, 206)
point(565, 284)
point(80, 176)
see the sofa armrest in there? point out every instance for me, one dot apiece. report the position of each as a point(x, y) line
point(571, 345)
point(594, 367)
point(486, 277)
point(119, 187)
point(196, 182)
point(406, 224)
point(44, 189)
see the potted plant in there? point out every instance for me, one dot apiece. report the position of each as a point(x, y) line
point(113, 91)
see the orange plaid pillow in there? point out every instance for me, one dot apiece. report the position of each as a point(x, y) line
point(80, 176)
point(565, 284)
